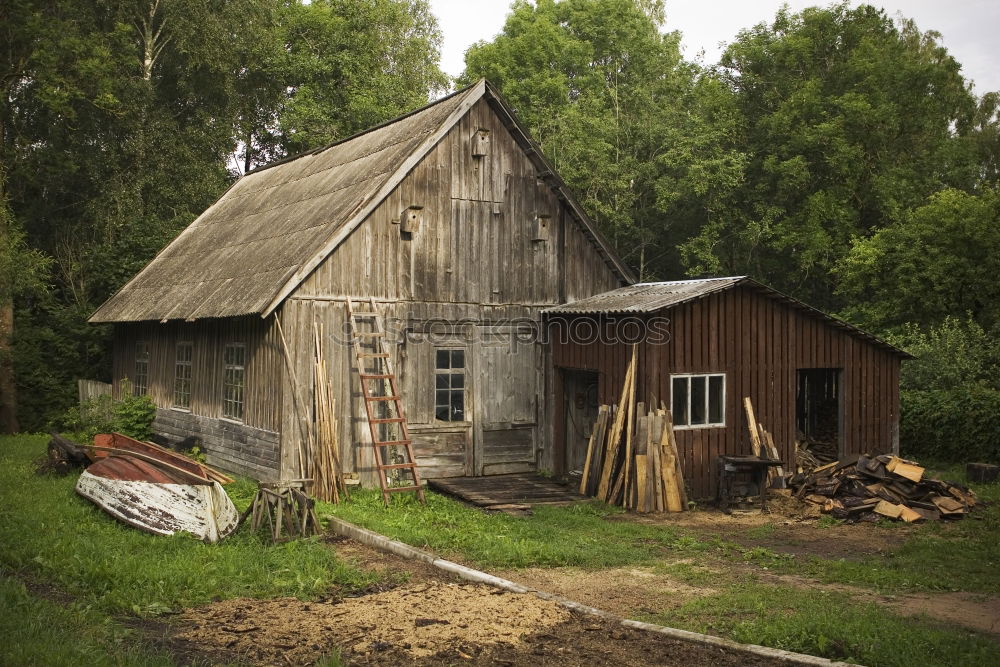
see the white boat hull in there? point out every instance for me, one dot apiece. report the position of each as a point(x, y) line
point(204, 510)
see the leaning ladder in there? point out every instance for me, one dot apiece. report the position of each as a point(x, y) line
point(379, 388)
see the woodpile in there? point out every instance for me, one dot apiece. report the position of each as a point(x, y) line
point(811, 453)
point(865, 488)
point(632, 458)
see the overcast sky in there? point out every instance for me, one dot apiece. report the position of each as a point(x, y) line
point(969, 28)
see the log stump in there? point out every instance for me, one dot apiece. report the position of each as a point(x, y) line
point(982, 473)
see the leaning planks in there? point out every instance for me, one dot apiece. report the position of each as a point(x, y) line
point(328, 480)
point(632, 458)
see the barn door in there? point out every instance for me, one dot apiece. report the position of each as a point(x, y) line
point(507, 386)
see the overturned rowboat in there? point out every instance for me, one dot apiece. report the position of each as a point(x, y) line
point(157, 490)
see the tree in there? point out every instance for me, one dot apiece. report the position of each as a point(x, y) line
point(942, 259)
point(640, 135)
point(849, 120)
point(120, 118)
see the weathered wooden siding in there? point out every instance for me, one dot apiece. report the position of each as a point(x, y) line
point(468, 277)
point(759, 343)
point(262, 397)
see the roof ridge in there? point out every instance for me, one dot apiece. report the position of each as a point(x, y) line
point(387, 123)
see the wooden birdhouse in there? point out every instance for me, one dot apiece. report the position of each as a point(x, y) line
point(540, 227)
point(409, 219)
point(481, 143)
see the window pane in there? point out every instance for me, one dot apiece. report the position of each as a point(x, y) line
point(442, 359)
point(458, 380)
point(458, 358)
point(441, 381)
point(715, 399)
point(698, 395)
point(441, 398)
point(441, 413)
point(680, 397)
point(458, 406)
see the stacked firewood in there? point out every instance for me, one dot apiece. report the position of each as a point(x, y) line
point(811, 453)
point(865, 488)
point(632, 458)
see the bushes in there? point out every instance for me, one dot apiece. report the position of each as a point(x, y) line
point(960, 424)
point(130, 415)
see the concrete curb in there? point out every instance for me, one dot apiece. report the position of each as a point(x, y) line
point(383, 543)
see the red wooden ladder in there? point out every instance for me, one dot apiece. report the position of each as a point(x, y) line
point(383, 402)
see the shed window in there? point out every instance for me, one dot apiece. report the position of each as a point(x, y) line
point(449, 385)
point(140, 383)
point(698, 400)
point(234, 359)
point(182, 375)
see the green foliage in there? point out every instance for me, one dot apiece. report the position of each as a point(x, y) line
point(352, 65)
point(955, 353)
point(130, 415)
point(826, 624)
point(66, 540)
point(956, 425)
point(940, 259)
point(848, 120)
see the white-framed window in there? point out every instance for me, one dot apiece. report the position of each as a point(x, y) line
point(140, 383)
point(698, 400)
point(234, 374)
point(449, 385)
point(182, 375)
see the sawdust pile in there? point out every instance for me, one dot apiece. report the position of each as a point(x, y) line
point(419, 620)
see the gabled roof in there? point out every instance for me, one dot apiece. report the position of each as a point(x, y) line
point(644, 298)
point(247, 252)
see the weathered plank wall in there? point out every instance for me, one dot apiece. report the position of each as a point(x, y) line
point(466, 278)
point(759, 343)
point(262, 397)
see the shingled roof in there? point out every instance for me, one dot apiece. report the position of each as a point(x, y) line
point(644, 298)
point(275, 225)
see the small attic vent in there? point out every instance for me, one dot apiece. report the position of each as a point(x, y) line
point(409, 219)
point(540, 227)
point(481, 143)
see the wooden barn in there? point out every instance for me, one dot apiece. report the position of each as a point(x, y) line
point(704, 345)
point(448, 222)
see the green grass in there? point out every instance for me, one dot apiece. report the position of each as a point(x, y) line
point(827, 624)
point(583, 535)
point(40, 632)
point(48, 531)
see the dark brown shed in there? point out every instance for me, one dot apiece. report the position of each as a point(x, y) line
point(705, 344)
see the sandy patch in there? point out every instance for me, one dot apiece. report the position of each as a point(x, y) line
point(419, 620)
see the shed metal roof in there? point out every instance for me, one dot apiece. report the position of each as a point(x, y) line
point(644, 298)
point(247, 252)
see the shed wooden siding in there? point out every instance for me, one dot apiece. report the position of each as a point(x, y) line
point(759, 343)
point(262, 397)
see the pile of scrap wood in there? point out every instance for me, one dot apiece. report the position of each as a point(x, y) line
point(632, 456)
point(865, 488)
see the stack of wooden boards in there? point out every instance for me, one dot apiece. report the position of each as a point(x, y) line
point(327, 475)
point(864, 488)
point(632, 458)
point(762, 444)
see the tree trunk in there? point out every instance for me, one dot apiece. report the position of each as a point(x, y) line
point(8, 389)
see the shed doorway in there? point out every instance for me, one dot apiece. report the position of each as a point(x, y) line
point(819, 408)
point(580, 407)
